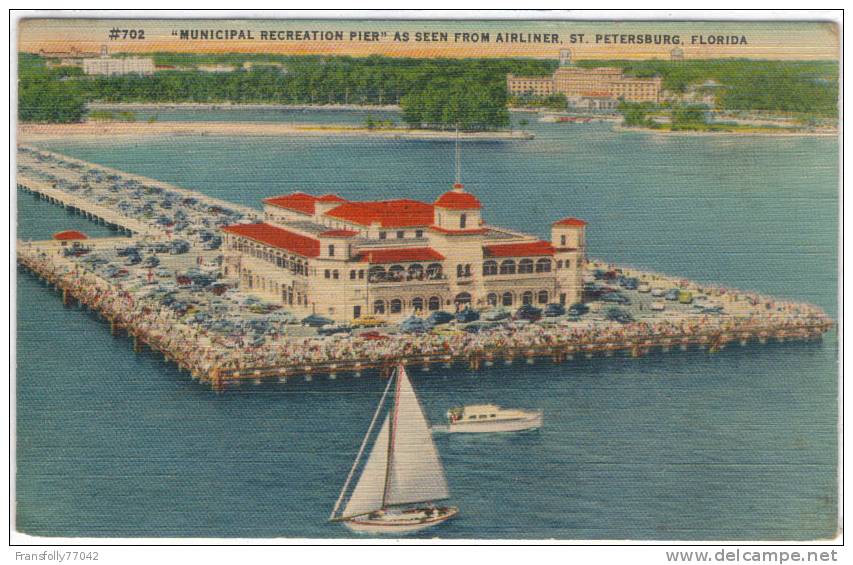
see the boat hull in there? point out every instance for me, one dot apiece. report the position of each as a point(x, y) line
point(397, 525)
point(529, 422)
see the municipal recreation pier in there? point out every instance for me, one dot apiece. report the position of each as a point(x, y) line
point(225, 337)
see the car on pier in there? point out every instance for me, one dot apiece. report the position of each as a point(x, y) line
point(672, 294)
point(414, 325)
point(528, 312)
point(578, 309)
point(554, 310)
point(496, 314)
point(439, 318)
point(615, 297)
point(467, 315)
point(367, 322)
point(316, 321)
point(618, 315)
point(334, 329)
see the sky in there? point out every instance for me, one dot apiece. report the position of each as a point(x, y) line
point(586, 39)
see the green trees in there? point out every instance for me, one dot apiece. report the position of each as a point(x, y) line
point(45, 95)
point(636, 114)
point(454, 103)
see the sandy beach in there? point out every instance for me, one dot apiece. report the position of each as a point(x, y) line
point(153, 106)
point(35, 132)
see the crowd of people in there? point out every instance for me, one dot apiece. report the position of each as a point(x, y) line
point(203, 350)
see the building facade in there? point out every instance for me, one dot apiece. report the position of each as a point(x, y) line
point(394, 258)
point(580, 83)
point(118, 66)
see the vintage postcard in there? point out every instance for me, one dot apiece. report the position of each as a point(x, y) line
point(468, 279)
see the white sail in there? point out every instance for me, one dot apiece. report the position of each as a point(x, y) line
point(368, 492)
point(416, 474)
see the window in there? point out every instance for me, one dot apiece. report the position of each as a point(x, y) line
point(352, 275)
point(542, 297)
point(376, 274)
point(525, 266)
point(419, 233)
point(434, 271)
point(567, 264)
point(562, 241)
point(396, 306)
point(543, 266)
point(490, 268)
point(328, 273)
point(382, 235)
point(401, 234)
point(379, 307)
point(416, 271)
point(335, 274)
point(460, 271)
point(508, 267)
point(361, 274)
point(527, 297)
point(434, 303)
point(492, 299)
point(506, 299)
point(331, 251)
point(463, 219)
point(559, 264)
point(417, 304)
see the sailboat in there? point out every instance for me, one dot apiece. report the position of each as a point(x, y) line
point(402, 477)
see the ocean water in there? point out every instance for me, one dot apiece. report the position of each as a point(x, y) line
point(736, 445)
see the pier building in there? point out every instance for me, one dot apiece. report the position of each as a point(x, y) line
point(393, 258)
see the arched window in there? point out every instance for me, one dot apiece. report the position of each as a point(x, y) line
point(462, 298)
point(492, 299)
point(527, 297)
point(434, 303)
point(490, 268)
point(508, 267)
point(395, 272)
point(379, 307)
point(525, 266)
point(506, 299)
point(416, 271)
point(543, 266)
point(396, 306)
point(417, 304)
point(376, 274)
point(434, 271)
point(463, 219)
point(542, 297)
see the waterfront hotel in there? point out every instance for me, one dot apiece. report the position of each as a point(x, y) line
point(393, 258)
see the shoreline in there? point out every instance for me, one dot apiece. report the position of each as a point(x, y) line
point(769, 133)
point(97, 130)
point(238, 106)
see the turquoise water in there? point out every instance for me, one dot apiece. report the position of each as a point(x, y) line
point(739, 445)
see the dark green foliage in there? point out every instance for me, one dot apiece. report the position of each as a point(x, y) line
point(807, 87)
point(47, 95)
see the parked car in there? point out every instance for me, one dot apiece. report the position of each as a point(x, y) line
point(615, 297)
point(553, 310)
point(672, 294)
point(440, 317)
point(528, 312)
point(367, 322)
point(712, 310)
point(644, 287)
point(685, 297)
point(373, 335)
point(467, 315)
point(658, 306)
point(413, 325)
point(619, 315)
point(658, 292)
point(334, 329)
point(578, 309)
point(316, 321)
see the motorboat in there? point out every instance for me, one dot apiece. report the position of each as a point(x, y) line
point(486, 418)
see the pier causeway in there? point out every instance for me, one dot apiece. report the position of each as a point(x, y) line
point(223, 362)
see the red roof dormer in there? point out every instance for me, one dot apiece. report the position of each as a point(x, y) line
point(457, 199)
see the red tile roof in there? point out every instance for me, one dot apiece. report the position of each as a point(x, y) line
point(401, 255)
point(526, 249)
point(388, 213)
point(301, 202)
point(277, 237)
point(339, 233)
point(454, 200)
point(470, 231)
point(574, 222)
point(69, 235)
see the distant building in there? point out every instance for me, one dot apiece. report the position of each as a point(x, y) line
point(530, 86)
point(393, 258)
point(565, 57)
point(118, 66)
point(216, 68)
point(71, 58)
point(576, 83)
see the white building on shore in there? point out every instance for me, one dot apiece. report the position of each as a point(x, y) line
point(118, 66)
point(345, 259)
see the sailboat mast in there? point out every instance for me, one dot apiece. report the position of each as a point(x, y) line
point(361, 451)
point(391, 436)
